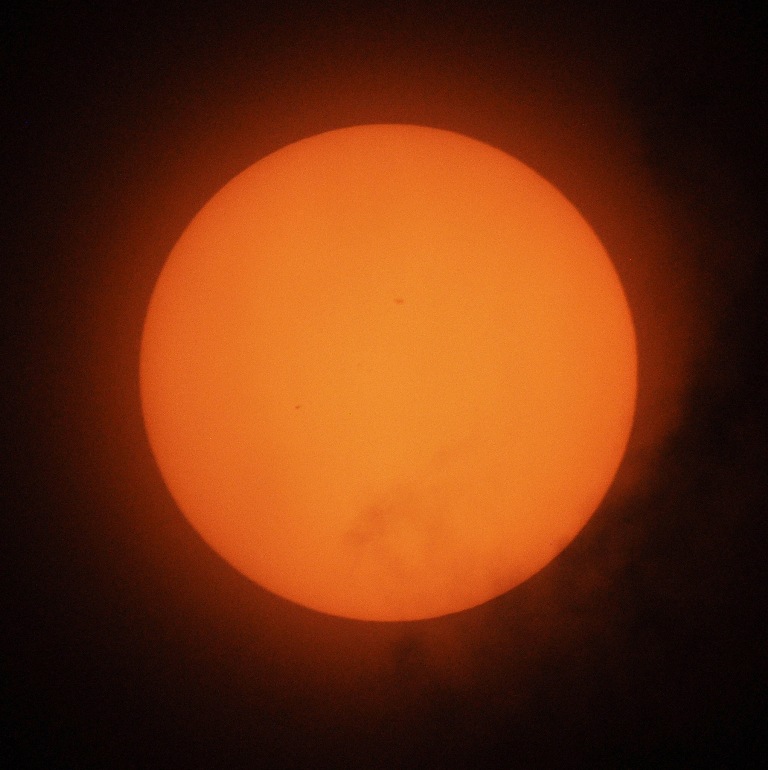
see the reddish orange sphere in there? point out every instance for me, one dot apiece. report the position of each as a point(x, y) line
point(388, 372)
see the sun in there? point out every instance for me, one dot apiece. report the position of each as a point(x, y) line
point(388, 372)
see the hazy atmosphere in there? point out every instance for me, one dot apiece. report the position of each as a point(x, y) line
point(130, 643)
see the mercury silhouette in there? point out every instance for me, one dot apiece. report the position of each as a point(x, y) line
point(388, 372)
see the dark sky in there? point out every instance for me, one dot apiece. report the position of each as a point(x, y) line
point(130, 644)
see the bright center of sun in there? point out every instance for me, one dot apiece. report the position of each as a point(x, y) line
point(388, 372)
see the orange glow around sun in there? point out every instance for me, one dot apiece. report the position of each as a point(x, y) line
point(388, 372)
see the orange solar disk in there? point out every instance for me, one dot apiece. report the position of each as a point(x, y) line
point(388, 372)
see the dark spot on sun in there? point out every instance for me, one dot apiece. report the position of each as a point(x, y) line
point(298, 406)
point(399, 300)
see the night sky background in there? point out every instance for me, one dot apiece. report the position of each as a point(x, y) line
point(128, 643)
